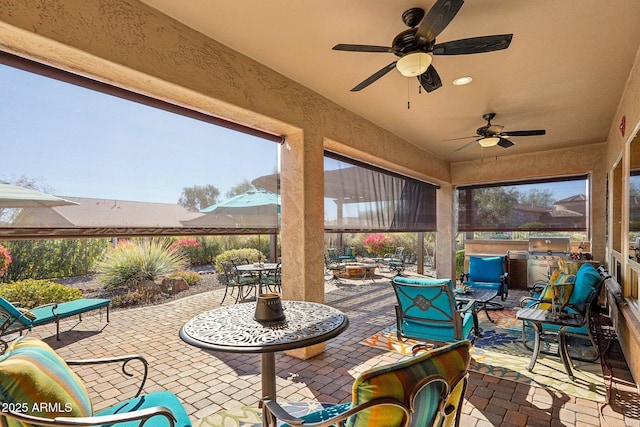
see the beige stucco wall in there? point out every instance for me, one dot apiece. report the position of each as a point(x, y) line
point(133, 46)
point(571, 161)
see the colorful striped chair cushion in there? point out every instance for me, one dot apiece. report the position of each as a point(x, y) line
point(398, 380)
point(36, 381)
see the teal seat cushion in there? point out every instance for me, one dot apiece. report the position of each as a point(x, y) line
point(587, 279)
point(555, 328)
point(433, 331)
point(325, 414)
point(420, 281)
point(81, 305)
point(13, 312)
point(161, 398)
point(496, 286)
point(43, 315)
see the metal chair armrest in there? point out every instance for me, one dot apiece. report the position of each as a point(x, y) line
point(118, 359)
point(142, 415)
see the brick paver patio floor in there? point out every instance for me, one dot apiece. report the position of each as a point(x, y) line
point(207, 382)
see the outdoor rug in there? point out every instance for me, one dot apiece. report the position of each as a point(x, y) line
point(500, 353)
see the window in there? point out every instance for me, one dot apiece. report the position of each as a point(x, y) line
point(558, 204)
point(360, 197)
point(129, 164)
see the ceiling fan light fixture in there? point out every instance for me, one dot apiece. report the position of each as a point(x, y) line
point(414, 64)
point(489, 141)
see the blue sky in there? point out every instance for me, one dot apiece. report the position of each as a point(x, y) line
point(77, 142)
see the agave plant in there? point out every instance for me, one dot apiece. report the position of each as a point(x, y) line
point(132, 262)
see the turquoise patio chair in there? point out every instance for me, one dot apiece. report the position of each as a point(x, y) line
point(425, 390)
point(580, 296)
point(488, 273)
point(427, 311)
point(40, 389)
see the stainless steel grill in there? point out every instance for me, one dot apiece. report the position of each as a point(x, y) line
point(543, 256)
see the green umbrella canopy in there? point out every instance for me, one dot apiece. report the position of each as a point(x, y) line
point(15, 196)
point(252, 202)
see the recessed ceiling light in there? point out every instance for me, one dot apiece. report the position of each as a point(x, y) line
point(461, 81)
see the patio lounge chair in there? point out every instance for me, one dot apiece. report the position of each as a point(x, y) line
point(39, 388)
point(14, 319)
point(425, 390)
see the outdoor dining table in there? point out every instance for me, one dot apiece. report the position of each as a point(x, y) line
point(259, 268)
point(234, 329)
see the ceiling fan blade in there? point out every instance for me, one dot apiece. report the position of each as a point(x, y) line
point(436, 20)
point(430, 80)
point(458, 139)
point(473, 45)
point(362, 48)
point(466, 145)
point(375, 76)
point(505, 143)
point(524, 133)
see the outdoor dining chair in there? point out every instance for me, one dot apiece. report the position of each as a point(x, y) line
point(273, 279)
point(244, 284)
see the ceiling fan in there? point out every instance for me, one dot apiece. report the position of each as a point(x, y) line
point(492, 135)
point(416, 45)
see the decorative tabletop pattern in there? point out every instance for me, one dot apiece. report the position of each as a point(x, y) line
point(234, 329)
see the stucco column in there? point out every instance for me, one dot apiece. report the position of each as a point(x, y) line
point(302, 223)
point(445, 237)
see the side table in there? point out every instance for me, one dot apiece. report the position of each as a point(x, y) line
point(537, 317)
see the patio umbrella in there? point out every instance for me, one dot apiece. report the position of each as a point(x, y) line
point(15, 196)
point(252, 209)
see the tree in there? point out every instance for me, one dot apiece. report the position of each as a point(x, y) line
point(494, 204)
point(199, 197)
point(243, 187)
point(537, 198)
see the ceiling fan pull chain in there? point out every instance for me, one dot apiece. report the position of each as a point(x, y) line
point(408, 95)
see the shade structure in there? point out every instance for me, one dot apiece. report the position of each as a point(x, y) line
point(15, 196)
point(253, 209)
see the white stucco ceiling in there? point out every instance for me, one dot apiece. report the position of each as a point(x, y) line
point(564, 71)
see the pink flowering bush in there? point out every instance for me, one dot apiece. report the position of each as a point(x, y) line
point(379, 244)
point(5, 260)
point(189, 248)
point(185, 244)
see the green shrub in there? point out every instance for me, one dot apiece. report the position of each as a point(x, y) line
point(53, 258)
point(248, 253)
point(32, 293)
point(190, 277)
point(132, 262)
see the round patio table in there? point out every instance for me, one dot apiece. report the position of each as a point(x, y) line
point(233, 329)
